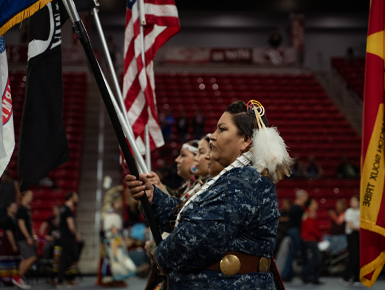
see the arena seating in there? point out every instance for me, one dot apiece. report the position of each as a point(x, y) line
point(296, 104)
point(66, 177)
point(353, 72)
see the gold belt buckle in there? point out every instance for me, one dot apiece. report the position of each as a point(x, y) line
point(230, 265)
point(263, 265)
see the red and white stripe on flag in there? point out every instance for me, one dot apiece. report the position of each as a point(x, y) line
point(7, 133)
point(162, 22)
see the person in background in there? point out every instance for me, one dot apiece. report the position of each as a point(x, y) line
point(299, 169)
point(9, 252)
point(313, 169)
point(311, 235)
point(26, 239)
point(182, 126)
point(9, 192)
point(69, 237)
point(349, 54)
point(294, 232)
point(51, 235)
point(115, 266)
point(275, 38)
point(337, 237)
point(352, 230)
point(346, 169)
point(283, 223)
point(214, 167)
point(185, 169)
point(198, 124)
point(166, 123)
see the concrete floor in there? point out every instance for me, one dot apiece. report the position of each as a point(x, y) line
point(139, 284)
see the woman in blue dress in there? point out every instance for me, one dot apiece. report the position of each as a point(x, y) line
point(225, 234)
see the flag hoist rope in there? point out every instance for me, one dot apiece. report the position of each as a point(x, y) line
point(81, 34)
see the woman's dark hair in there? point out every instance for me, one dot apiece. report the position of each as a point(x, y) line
point(193, 143)
point(207, 138)
point(245, 122)
point(69, 195)
point(308, 202)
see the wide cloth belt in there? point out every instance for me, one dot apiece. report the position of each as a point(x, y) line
point(239, 263)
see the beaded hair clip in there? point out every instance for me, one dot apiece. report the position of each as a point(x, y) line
point(255, 109)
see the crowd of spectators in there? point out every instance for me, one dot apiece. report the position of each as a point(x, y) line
point(181, 126)
point(311, 169)
point(299, 223)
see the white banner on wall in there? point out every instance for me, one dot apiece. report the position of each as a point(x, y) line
point(259, 55)
point(275, 56)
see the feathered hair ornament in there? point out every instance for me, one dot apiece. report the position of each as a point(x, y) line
point(270, 156)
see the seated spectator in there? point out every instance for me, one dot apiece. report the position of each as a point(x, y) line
point(51, 235)
point(283, 223)
point(48, 182)
point(349, 54)
point(9, 252)
point(299, 169)
point(166, 122)
point(347, 170)
point(182, 126)
point(313, 169)
point(337, 237)
point(198, 124)
point(311, 235)
point(275, 38)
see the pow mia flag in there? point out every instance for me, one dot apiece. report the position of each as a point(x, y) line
point(43, 143)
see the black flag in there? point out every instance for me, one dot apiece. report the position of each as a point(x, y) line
point(43, 143)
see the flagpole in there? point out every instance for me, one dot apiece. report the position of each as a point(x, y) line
point(81, 34)
point(142, 20)
point(126, 129)
point(126, 123)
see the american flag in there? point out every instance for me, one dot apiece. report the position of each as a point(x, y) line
point(162, 22)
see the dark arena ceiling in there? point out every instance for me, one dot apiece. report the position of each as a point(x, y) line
point(278, 6)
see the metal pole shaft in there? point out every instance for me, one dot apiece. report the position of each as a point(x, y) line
point(143, 53)
point(81, 34)
point(125, 123)
point(129, 134)
point(110, 65)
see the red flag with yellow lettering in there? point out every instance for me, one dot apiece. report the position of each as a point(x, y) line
point(372, 218)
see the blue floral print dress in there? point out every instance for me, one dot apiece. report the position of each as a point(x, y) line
point(238, 213)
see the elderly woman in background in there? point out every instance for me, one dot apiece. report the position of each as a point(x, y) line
point(225, 234)
point(115, 265)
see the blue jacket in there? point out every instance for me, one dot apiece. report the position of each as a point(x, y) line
point(238, 213)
